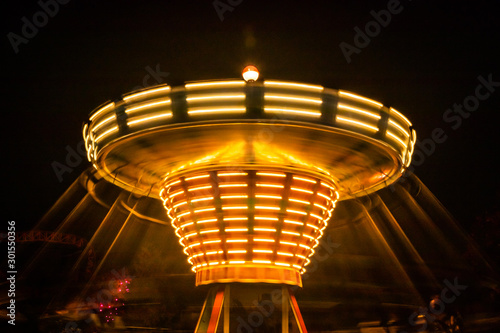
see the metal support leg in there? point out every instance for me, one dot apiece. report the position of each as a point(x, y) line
point(212, 309)
point(227, 305)
point(296, 312)
point(284, 309)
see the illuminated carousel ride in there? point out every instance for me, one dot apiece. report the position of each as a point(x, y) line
point(249, 173)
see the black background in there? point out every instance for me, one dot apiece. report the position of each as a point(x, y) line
point(427, 58)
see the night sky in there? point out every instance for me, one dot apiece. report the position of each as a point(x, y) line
point(422, 59)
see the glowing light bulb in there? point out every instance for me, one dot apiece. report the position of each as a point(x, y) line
point(250, 73)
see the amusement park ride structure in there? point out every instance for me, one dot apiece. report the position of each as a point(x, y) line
point(249, 172)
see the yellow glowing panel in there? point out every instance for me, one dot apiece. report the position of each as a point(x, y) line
point(180, 204)
point(316, 216)
point(204, 210)
point(261, 261)
point(293, 222)
point(216, 84)
point(299, 201)
point(108, 132)
point(236, 262)
point(147, 92)
point(84, 132)
point(401, 129)
point(271, 174)
point(269, 185)
point(216, 111)
point(100, 124)
point(290, 233)
point(312, 226)
point(199, 188)
point(301, 190)
point(326, 185)
point(412, 147)
point(215, 97)
point(232, 185)
point(202, 199)
point(267, 207)
point(304, 179)
point(235, 229)
point(234, 196)
point(356, 123)
point(175, 182)
point(324, 196)
point(237, 251)
point(311, 113)
point(209, 231)
point(401, 116)
point(236, 240)
point(197, 177)
point(183, 214)
point(389, 133)
point(262, 251)
point(235, 219)
point(265, 218)
point(295, 212)
point(288, 243)
point(289, 98)
point(146, 119)
point(357, 97)
point(206, 221)
point(101, 110)
point(288, 254)
point(264, 196)
point(148, 105)
point(320, 206)
point(266, 240)
point(234, 207)
point(282, 264)
point(211, 241)
point(264, 229)
point(293, 85)
point(228, 174)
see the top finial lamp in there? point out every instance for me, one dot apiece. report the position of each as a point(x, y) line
point(250, 73)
